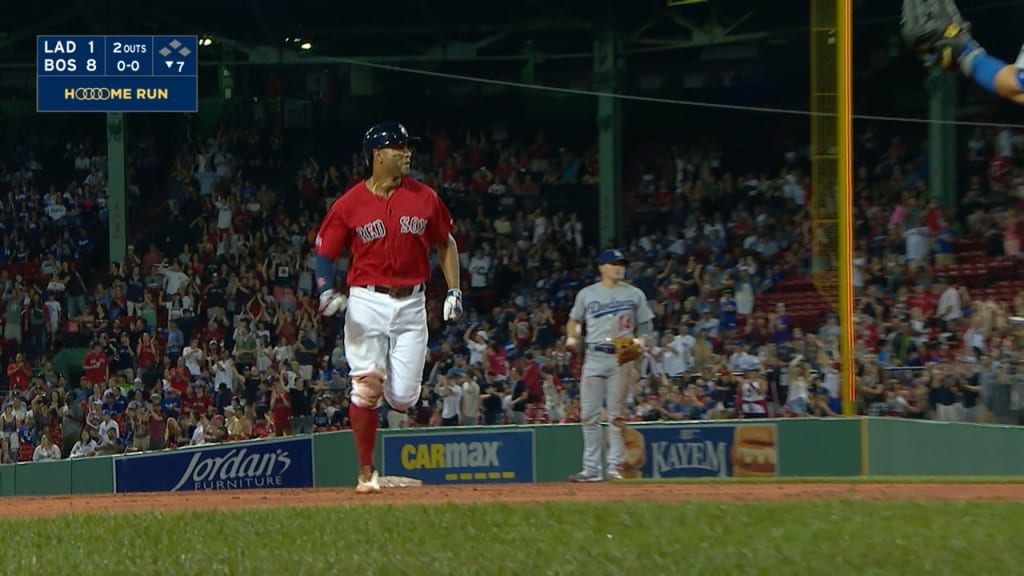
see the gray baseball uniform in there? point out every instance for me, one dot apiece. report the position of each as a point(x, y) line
point(606, 314)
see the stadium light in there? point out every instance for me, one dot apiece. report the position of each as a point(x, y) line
point(307, 45)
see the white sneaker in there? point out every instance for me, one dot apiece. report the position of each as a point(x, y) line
point(613, 474)
point(585, 477)
point(370, 485)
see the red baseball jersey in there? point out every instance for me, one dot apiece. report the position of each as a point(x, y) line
point(389, 238)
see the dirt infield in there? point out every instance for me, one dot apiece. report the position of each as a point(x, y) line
point(22, 507)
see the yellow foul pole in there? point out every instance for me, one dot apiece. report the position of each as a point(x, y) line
point(831, 173)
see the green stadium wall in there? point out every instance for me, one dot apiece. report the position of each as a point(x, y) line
point(64, 477)
point(805, 447)
point(923, 448)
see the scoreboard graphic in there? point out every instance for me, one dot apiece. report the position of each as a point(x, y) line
point(117, 74)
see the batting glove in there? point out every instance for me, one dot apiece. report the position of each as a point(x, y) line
point(453, 305)
point(331, 302)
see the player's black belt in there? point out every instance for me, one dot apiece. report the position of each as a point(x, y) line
point(606, 347)
point(404, 292)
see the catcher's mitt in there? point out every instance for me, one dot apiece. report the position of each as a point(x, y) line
point(626, 350)
point(938, 33)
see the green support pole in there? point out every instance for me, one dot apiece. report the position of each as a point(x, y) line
point(116, 207)
point(607, 67)
point(941, 87)
point(225, 82)
point(951, 196)
point(535, 103)
point(528, 73)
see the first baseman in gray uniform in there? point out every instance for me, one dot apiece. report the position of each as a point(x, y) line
point(608, 309)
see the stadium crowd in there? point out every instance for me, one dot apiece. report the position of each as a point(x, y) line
point(207, 332)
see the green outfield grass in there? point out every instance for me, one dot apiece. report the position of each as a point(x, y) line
point(837, 480)
point(827, 537)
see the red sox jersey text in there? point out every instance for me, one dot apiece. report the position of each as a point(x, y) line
point(389, 238)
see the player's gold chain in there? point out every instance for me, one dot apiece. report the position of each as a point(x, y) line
point(373, 186)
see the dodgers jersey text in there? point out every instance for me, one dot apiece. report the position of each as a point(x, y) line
point(610, 313)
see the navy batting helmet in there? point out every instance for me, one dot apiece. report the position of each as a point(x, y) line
point(383, 135)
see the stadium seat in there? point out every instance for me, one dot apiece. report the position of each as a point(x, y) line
point(25, 451)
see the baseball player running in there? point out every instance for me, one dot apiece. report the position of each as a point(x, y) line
point(388, 223)
point(937, 31)
point(614, 314)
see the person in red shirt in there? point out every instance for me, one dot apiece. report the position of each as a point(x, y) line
point(194, 401)
point(522, 330)
point(146, 351)
point(95, 365)
point(281, 410)
point(497, 360)
point(532, 379)
point(919, 299)
point(388, 223)
point(867, 335)
point(204, 400)
point(178, 377)
point(18, 373)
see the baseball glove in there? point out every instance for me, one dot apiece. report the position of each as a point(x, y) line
point(626, 350)
point(938, 33)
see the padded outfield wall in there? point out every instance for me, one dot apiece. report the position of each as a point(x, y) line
point(785, 448)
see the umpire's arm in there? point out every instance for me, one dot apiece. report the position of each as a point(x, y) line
point(448, 254)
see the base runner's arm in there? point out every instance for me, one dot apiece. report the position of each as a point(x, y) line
point(324, 270)
point(331, 239)
point(448, 253)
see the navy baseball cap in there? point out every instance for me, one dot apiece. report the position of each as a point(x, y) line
point(383, 135)
point(611, 256)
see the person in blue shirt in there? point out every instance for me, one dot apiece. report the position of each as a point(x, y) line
point(170, 405)
point(727, 314)
point(175, 341)
point(328, 371)
point(6, 251)
point(673, 408)
point(120, 401)
point(27, 432)
point(944, 246)
point(83, 243)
